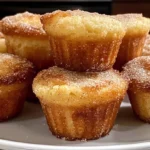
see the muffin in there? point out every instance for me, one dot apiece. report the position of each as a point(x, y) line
point(146, 49)
point(16, 76)
point(79, 105)
point(138, 71)
point(83, 41)
point(2, 40)
point(25, 37)
point(131, 47)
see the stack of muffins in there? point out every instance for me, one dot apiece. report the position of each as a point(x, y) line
point(80, 95)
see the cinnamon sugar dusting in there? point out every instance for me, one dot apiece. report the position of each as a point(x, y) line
point(88, 25)
point(23, 23)
point(79, 79)
point(135, 24)
point(13, 68)
point(138, 71)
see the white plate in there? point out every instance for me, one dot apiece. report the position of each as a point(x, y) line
point(30, 131)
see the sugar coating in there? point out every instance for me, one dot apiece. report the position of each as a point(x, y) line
point(70, 88)
point(26, 38)
point(138, 71)
point(135, 24)
point(13, 68)
point(77, 23)
point(146, 49)
point(23, 23)
point(79, 79)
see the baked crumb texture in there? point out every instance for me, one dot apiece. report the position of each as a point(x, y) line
point(25, 37)
point(138, 72)
point(83, 41)
point(79, 105)
point(137, 28)
point(16, 76)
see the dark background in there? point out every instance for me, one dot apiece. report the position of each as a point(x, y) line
point(10, 7)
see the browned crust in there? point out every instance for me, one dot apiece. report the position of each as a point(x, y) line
point(134, 72)
point(59, 13)
point(130, 48)
point(12, 102)
point(22, 71)
point(74, 139)
point(136, 106)
point(96, 121)
point(10, 27)
point(135, 86)
point(56, 76)
point(146, 120)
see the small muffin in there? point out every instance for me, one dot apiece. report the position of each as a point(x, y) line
point(26, 38)
point(79, 105)
point(137, 28)
point(83, 41)
point(3, 48)
point(138, 71)
point(146, 49)
point(16, 76)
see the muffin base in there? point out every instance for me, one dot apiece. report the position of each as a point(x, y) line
point(79, 55)
point(140, 102)
point(84, 123)
point(130, 48)
point(12, 99)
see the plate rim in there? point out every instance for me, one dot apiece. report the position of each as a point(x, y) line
point(22, 145)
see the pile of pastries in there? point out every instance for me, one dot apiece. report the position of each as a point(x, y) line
point(69, 59)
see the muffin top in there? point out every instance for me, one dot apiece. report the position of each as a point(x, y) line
point(14, 69)
point(70, 84)
point(135, 24)
point(146, 49)
point(25, 24)
point(77, 23)
point(138, 72)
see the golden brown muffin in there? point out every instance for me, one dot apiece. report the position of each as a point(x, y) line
point(26, 38)
point(83, 41)
point(79, 105)
point(138, 71)
point(146, 49)
point(3, 48)
point(131, 47)
point(16, 76)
